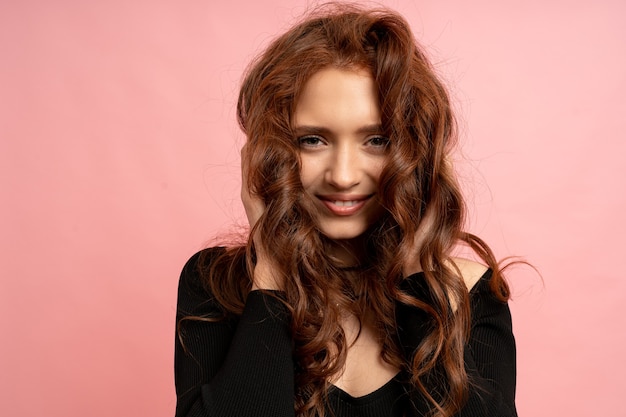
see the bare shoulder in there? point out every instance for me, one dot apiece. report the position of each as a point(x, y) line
point(471, 271)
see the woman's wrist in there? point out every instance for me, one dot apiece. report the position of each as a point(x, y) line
point(264, 277)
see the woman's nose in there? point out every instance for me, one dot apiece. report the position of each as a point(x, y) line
point(343, 171)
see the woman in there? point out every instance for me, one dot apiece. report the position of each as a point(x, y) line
point(345, 300)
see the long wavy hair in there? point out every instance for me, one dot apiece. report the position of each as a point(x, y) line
point(417, 118)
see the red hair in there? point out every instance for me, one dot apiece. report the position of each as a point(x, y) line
point(417, 118)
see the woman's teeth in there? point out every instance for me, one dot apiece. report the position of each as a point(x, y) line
point(346, 203)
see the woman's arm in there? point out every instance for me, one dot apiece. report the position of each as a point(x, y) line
point(490, 352)
point(233, 367)
point(490, 355)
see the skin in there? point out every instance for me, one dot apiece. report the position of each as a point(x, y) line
point(342, 152)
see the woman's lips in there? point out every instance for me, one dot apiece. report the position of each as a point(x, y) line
point(344, 205)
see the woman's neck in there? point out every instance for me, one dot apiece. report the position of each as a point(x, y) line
point(350, 253)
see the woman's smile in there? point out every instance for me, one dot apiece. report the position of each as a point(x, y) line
point(344, 205)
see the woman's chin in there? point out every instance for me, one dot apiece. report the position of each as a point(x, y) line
point(344, 235)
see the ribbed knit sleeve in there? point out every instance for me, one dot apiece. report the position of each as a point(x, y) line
point(234, 367)
point(489, 355)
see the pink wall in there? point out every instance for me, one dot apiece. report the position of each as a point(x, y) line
point(118, 160)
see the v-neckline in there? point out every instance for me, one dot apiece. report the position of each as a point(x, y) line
point(371, 396)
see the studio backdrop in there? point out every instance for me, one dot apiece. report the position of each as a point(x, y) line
point(119, 158)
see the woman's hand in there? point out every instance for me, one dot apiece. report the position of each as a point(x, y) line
point(413, 264)
point(265, 272)
point(252, 203)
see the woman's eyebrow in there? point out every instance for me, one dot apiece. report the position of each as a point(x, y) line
point(312, 130)
point(371, 129)
point(320, 130)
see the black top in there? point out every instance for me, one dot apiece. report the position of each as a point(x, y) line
point(243, 366)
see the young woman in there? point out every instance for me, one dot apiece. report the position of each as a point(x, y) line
point(346, 300)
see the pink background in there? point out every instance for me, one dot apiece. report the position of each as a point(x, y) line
point(119, 159)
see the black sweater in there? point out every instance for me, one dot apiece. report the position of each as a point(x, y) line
point(244, 366)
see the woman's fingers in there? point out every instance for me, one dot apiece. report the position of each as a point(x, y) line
point(251, 202)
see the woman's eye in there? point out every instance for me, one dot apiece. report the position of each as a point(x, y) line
point(310, 141)
point(379, 141)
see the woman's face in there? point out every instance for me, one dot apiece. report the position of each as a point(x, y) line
point(342, 150)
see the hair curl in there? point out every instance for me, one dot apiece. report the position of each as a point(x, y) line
point(416, 115)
